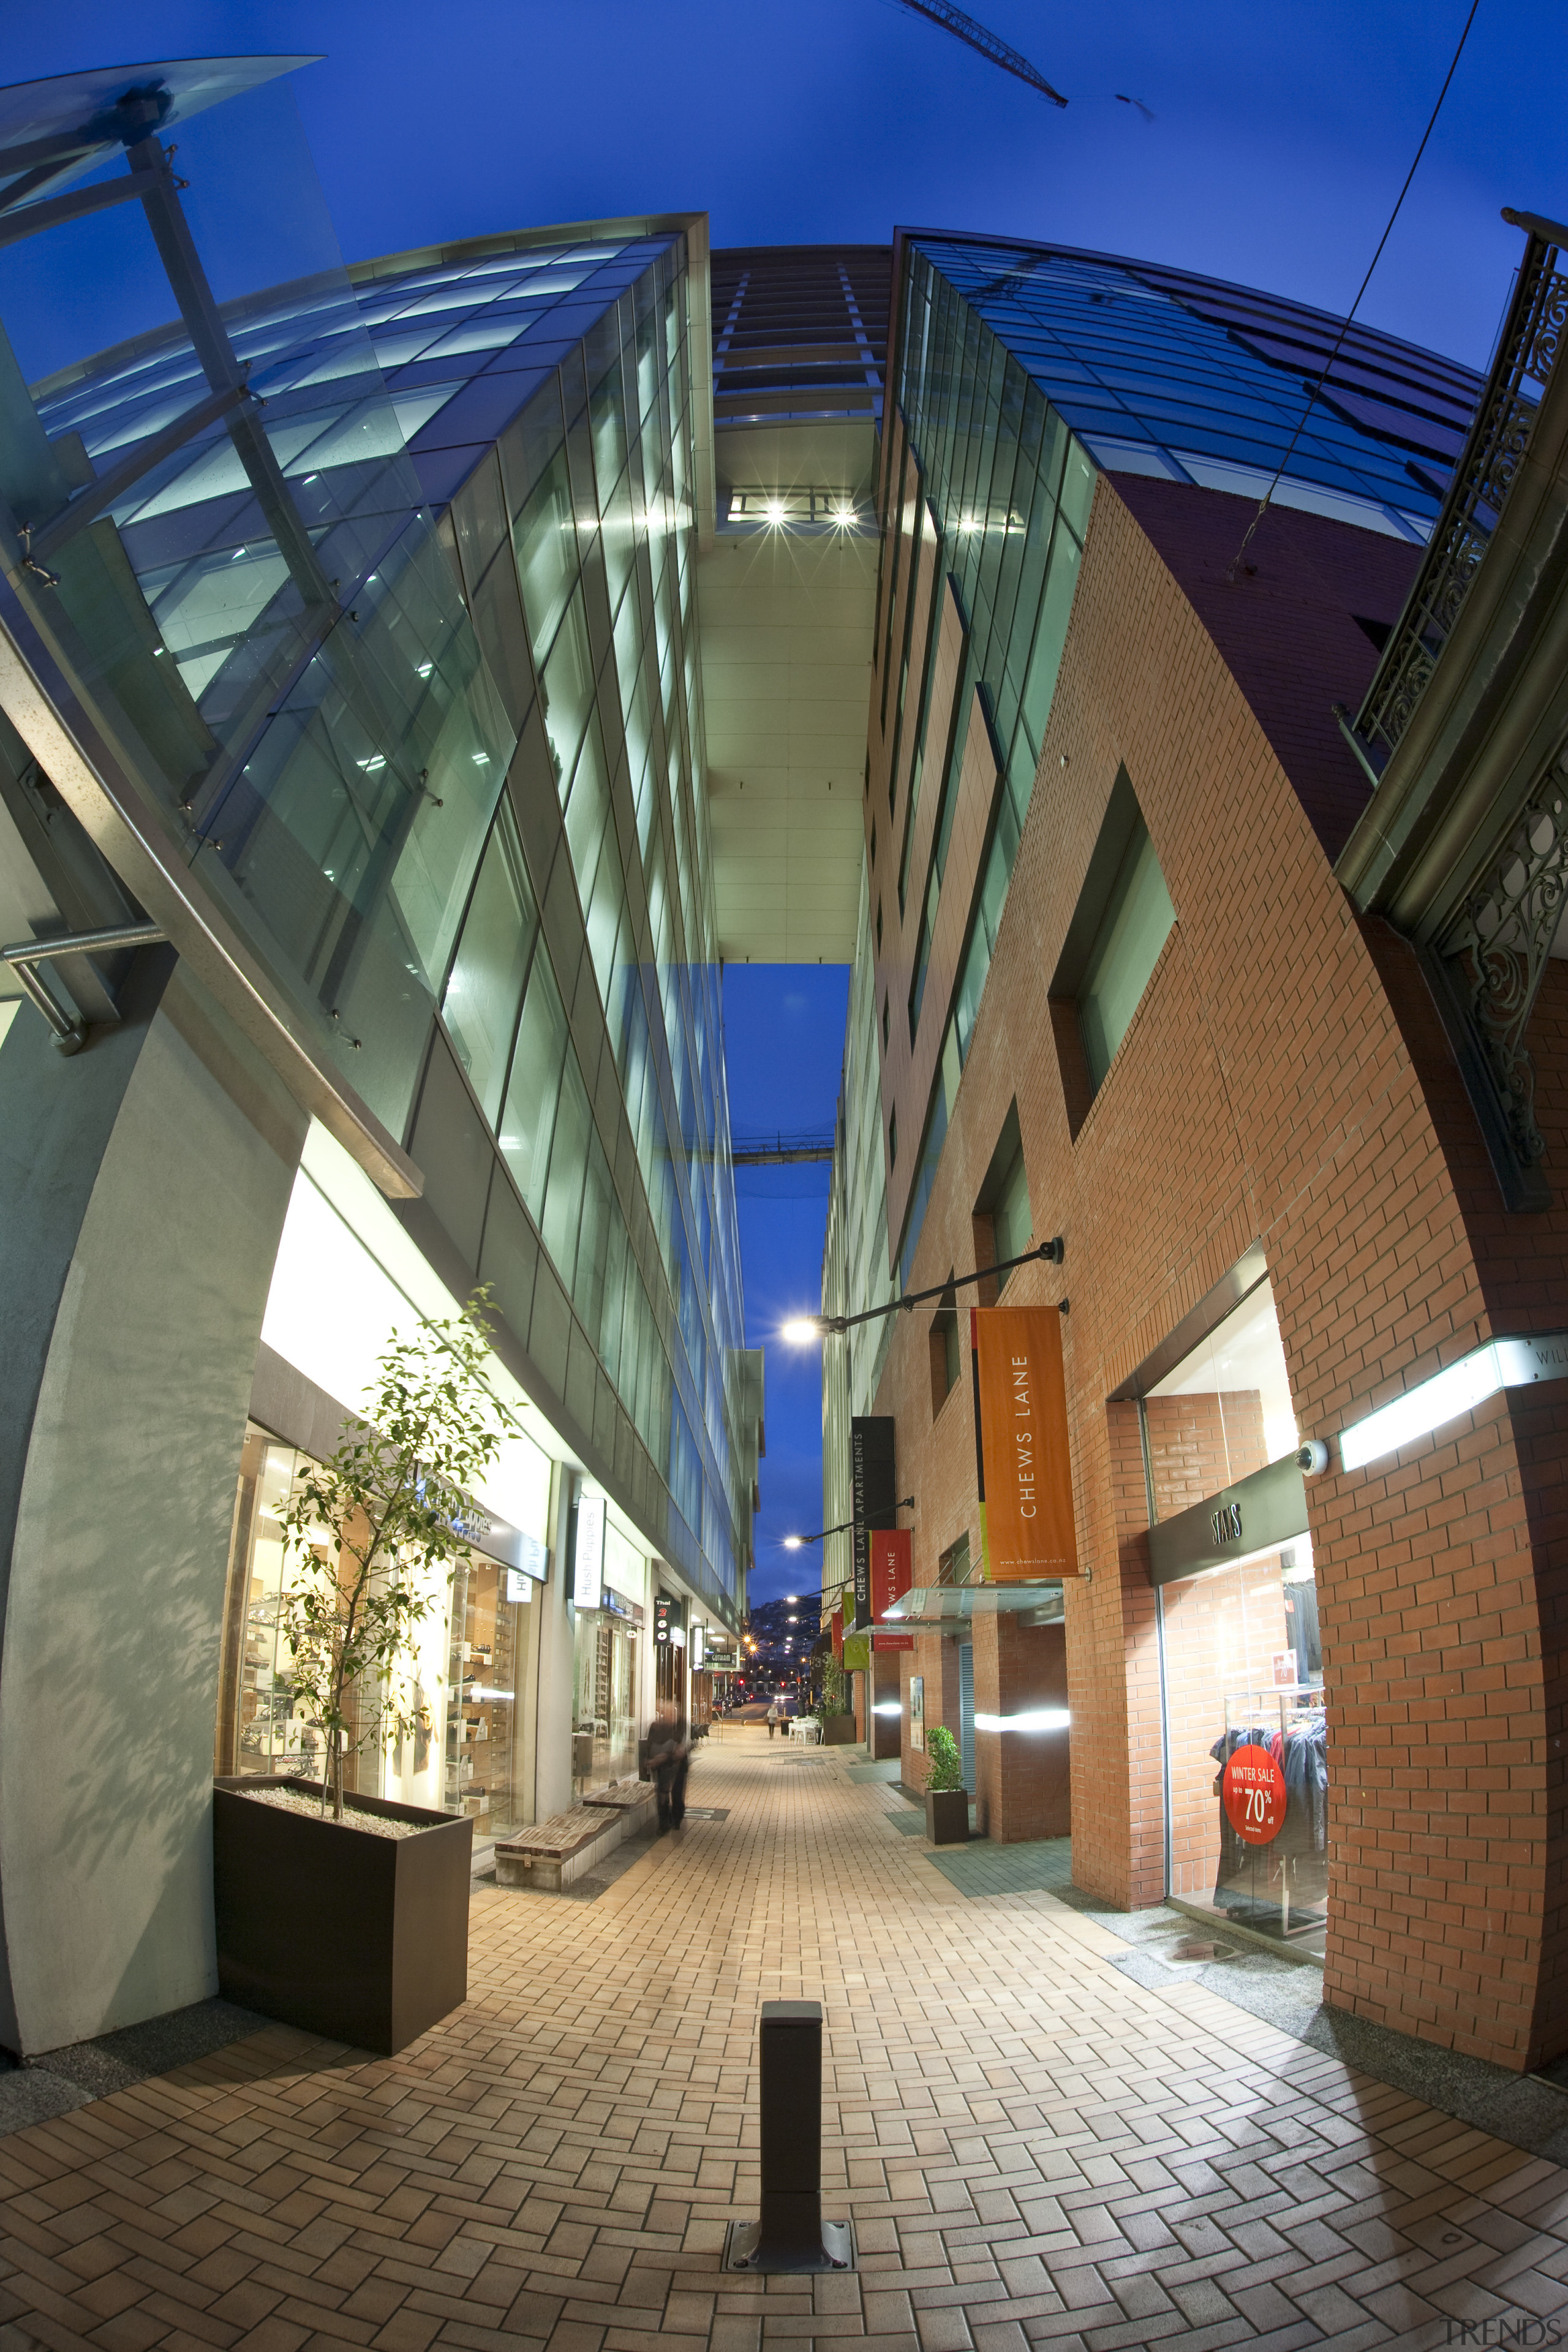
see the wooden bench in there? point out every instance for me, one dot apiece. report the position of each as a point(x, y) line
point(636, 1802)
point(560, 1850)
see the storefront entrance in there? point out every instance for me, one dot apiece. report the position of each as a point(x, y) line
point(1241, 1664)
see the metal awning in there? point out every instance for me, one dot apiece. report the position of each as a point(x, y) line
point(954, 1605)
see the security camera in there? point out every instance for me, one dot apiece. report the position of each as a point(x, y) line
point(1313, 1458)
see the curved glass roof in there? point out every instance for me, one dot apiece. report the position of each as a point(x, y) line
point(1162, 371)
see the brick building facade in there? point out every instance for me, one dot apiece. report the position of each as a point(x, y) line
point(1285, 1097)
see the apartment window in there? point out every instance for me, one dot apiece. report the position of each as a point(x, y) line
point(952, 1566)
point(886, 1002)
point(1124, 917)
point(873, 841)
point(1003, 1221)
point(878, 927)
point(945, 1353)
point(893, 1141)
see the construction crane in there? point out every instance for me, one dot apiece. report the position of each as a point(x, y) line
point(964, 28)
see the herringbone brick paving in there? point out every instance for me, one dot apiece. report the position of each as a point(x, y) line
point(1036, 2150)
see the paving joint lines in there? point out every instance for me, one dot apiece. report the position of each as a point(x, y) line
point(1036, 2150)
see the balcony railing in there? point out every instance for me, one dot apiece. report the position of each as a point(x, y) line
point(1494, 449)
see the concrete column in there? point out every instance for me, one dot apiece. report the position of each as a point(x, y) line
point(557, 1627)
point(142, 1190)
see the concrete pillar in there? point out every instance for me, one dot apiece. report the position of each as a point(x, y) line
point(1024, 1784)
point(142, 1190)
point(557, 1683)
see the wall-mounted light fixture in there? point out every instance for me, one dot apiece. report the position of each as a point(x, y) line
point(1458, 1389)
point(1039, 1718)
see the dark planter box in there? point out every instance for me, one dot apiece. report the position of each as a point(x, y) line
point(331, 1928)
point(947, 1816)
point(838, 1731)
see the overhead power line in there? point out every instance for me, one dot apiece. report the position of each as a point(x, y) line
point(1315, 388)
point(964, 28)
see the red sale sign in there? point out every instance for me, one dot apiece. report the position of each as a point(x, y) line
point(1253, 1794)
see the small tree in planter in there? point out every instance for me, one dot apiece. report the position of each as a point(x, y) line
point(947, 1799)
point(393, 1500)
point(359, 1929)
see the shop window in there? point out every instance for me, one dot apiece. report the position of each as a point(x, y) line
point(1242, 1657)
point(260, 1728)
point(946, 1357)
point(1003, 1222)
point(487, 1669)
point(1121, 922)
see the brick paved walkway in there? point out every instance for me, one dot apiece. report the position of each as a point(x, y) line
point(1036, 2149)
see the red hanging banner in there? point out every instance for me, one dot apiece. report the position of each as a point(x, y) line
point(1025, 1503)
point(892, 1568)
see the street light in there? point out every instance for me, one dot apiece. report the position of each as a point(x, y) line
point(801, 1329)
point(794, 1543)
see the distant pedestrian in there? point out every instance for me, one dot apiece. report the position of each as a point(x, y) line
point(669, 1760)
point(775, 1716)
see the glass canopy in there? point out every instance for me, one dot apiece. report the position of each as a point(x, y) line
point(52, 132)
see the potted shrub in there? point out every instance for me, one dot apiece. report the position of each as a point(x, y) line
point(837, 1722)
point(348, 1914)
point(947, 1799)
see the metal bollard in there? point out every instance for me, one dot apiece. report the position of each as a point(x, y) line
point(792, 2235)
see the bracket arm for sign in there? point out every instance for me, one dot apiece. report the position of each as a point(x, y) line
point(1053, 1253)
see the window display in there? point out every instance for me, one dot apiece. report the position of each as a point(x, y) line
point(487, 1677)
point(259, 1728)
point(1247, 1746)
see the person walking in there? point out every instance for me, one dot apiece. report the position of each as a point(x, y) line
point(775, 1714)
point(669, 1760)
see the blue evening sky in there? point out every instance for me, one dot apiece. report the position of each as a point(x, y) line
point(1281, 137)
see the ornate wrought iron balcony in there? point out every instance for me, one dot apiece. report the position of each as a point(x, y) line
point(1463, 846)
point(1528, 351)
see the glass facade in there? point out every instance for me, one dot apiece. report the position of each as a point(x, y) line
point(429, 563)
point(1023, 372)
point(1158, 371)
point(855, 1270)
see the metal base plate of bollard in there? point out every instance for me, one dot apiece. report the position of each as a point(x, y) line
point(790, 2237)
point(743, 2250)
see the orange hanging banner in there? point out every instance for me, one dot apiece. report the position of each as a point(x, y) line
point(1025, 1505)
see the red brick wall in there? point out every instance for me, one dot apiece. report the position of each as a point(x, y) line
point(1284, 1081)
